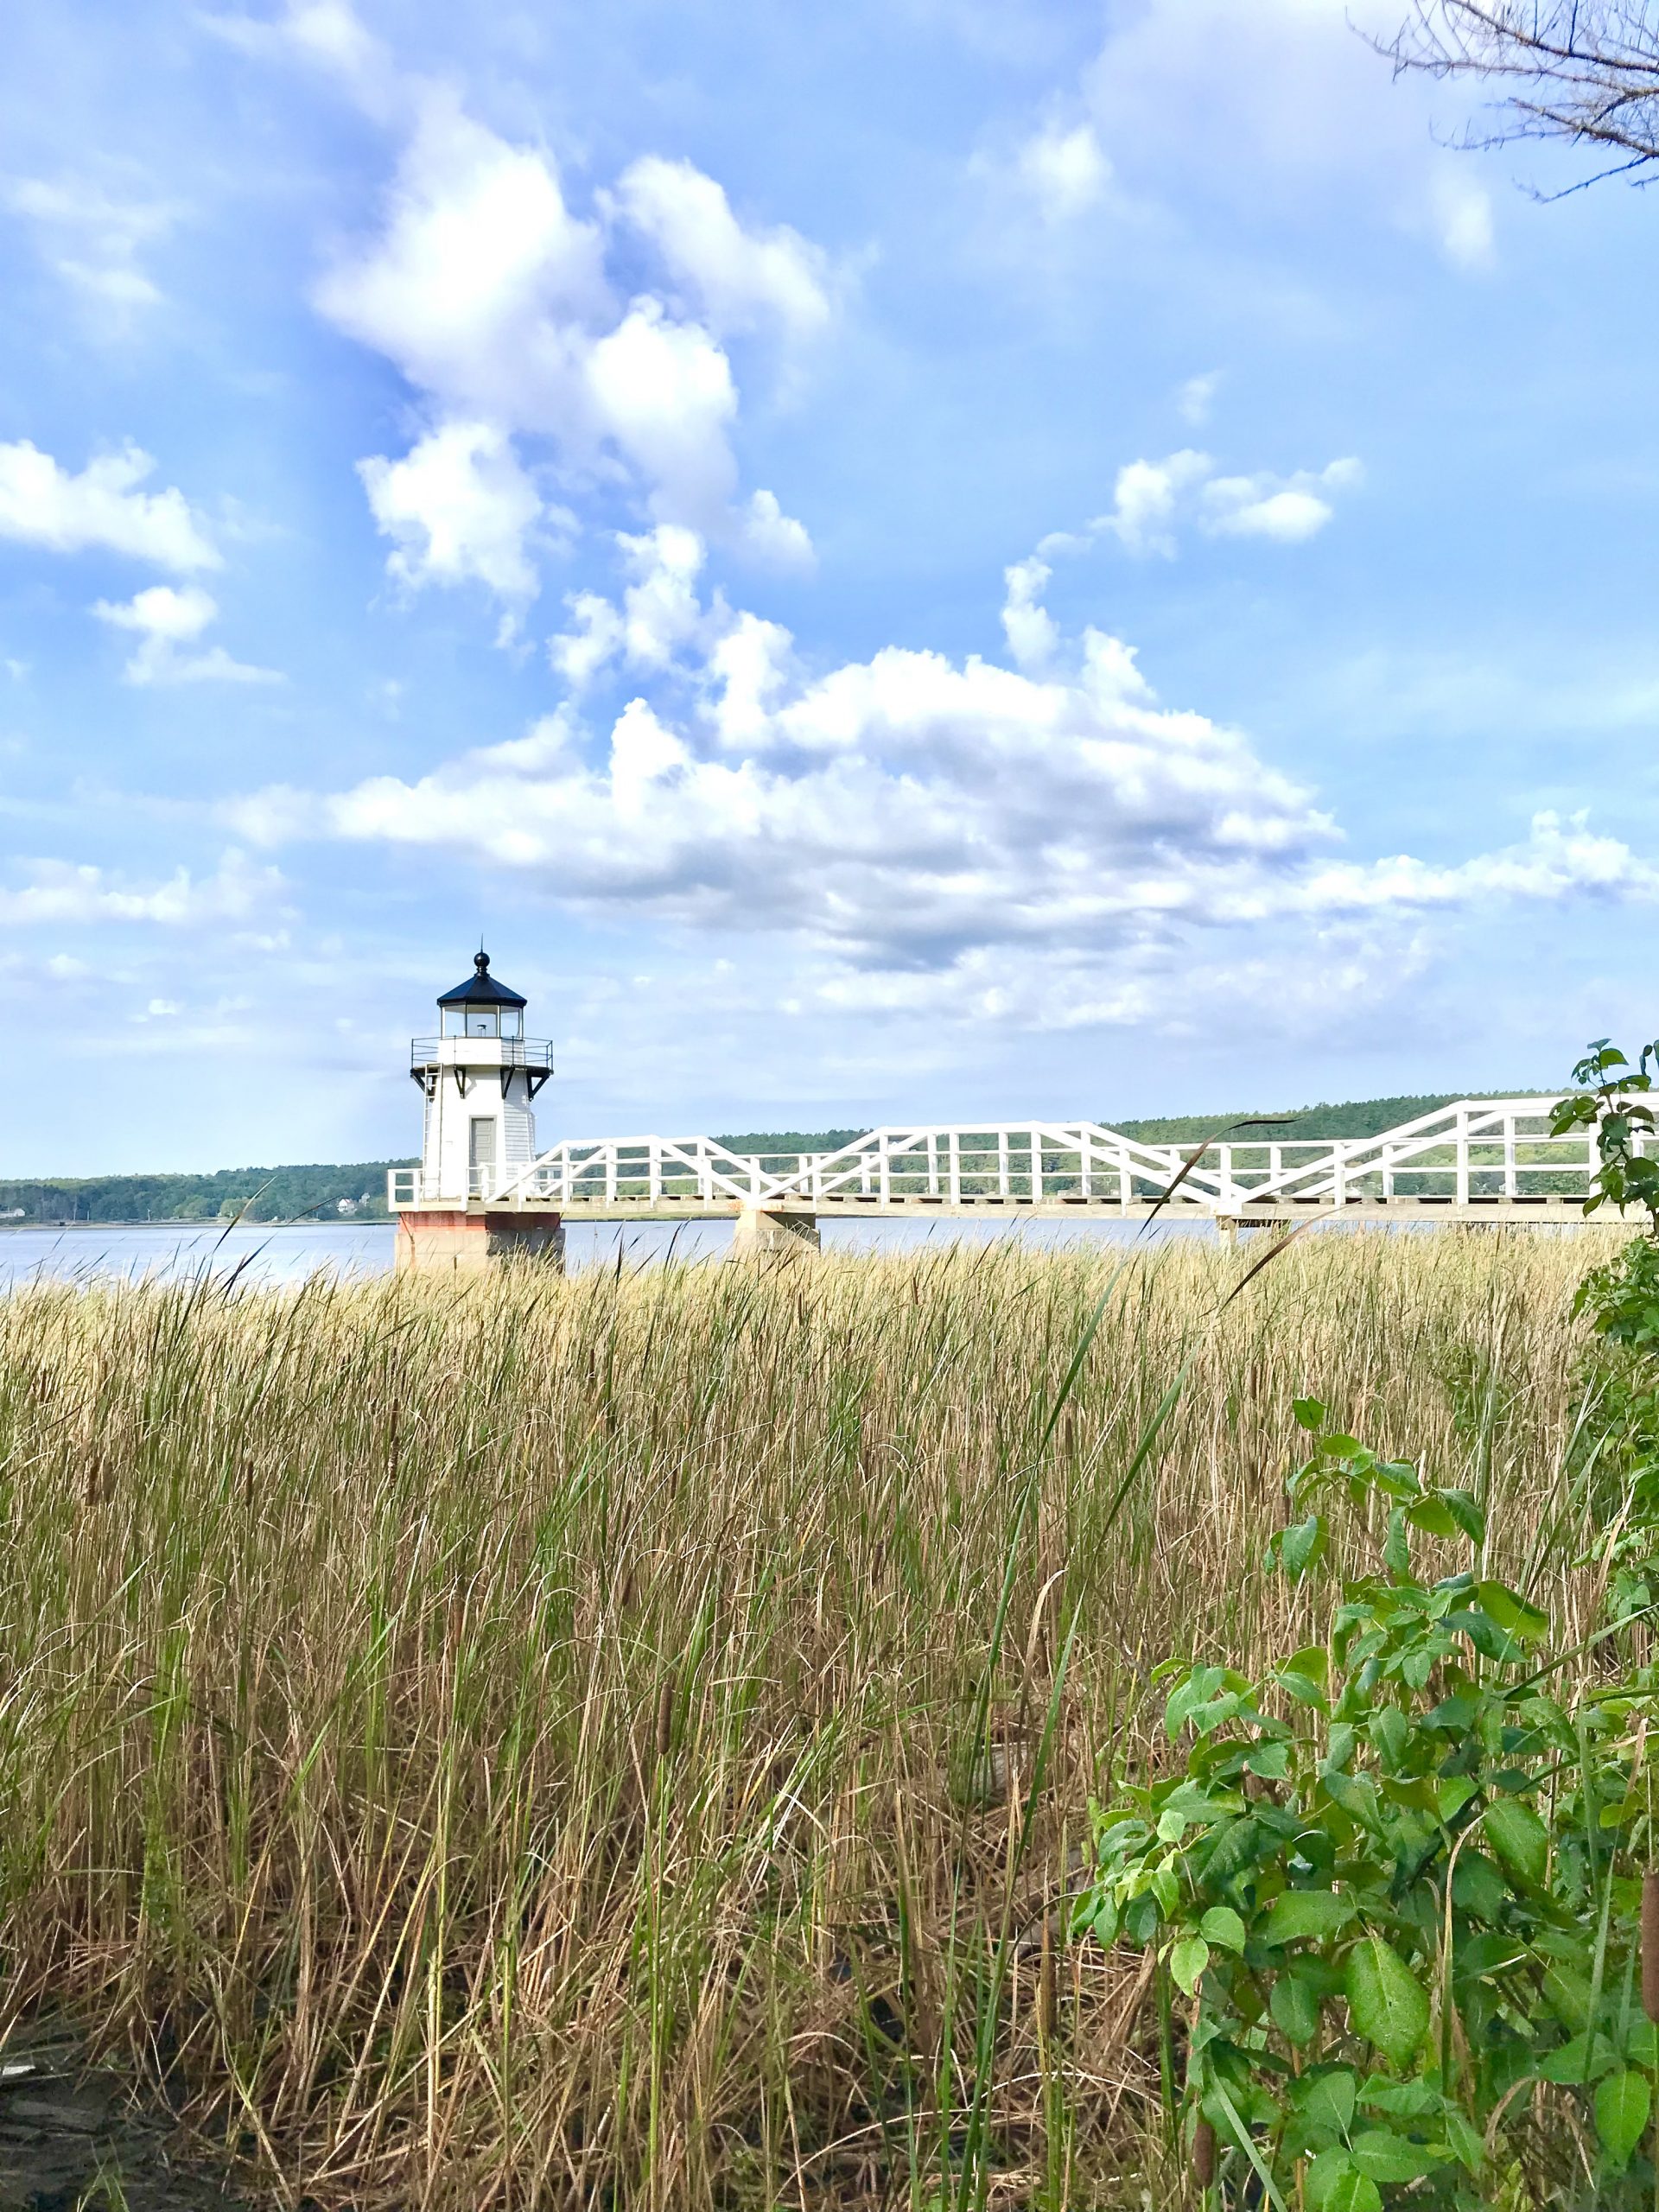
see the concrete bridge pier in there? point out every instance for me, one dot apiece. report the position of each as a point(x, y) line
point(759, 1234)
point(465, 1240)
point(1232, 1227)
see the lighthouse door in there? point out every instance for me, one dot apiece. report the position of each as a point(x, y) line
point(481, 1154)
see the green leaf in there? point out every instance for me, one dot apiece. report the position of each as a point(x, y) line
point(1354, 2192)
point(1385, 2156)
point(1270, 1760)
point(1295, 2009)
point(1104, 1922)
point(1476, 1885)
point(1221, 1926)
point(1324, 2099)
point(1397, 1545)
point(1519, 1838)
point(1467, 2144)
point(1306, 1674)
point(1385, 2002)
point(1355, 1793)
point(1466, 1513)
point(1434, 1517)
point(1310, 1413)
point(1187, 1961)
point(1399, 1477)
point(1302, 1545)
point(1195, 1689)
point(1623, 2103)
point(1391, 1733)
point(1299, 1914)
point(1585, 2058)
point(1516, 1615)
point(1400, 2099)
point(1334, 2184)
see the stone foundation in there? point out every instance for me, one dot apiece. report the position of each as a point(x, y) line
point(762, 1236)
point(469, 1240)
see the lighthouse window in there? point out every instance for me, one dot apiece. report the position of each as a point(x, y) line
point(481, 1024)
point(512, 1022)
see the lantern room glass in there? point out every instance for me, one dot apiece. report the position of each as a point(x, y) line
point(483, 1022)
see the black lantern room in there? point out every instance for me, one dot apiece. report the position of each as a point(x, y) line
point(481, 1007)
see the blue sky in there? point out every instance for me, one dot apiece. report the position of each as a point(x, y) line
point(906, 562)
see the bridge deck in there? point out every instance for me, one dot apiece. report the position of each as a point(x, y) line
point(1515, 1213)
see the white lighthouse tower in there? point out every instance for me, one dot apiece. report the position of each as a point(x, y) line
point(479, 1077)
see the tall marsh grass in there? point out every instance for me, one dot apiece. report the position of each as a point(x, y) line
point(626, 1741)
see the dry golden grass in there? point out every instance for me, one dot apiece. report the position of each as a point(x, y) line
point(553, 1744)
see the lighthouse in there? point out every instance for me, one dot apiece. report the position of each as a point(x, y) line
point(478, 1076)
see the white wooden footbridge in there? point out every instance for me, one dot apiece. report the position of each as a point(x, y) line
point(482, 1186)
point(1470, 1157)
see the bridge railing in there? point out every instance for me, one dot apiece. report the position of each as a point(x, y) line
point(1473, 1150)
point(988, 1162)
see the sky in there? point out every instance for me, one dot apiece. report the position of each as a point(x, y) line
point(900, 563)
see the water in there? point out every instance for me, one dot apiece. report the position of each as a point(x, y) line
point(265, 1253)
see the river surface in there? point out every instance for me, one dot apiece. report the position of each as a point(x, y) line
point(267, 1253)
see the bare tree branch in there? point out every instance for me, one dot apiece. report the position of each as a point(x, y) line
point(1585, 71)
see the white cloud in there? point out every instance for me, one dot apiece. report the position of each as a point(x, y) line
point(490, 296)
point(471, 285)
point(1560, 859)
point(768, 535)
point(660, 607)
point(1460, 214)
point(167, 620)
point(1257, 108)
point(1146, 496)
point(92, 239)
point(1152, 498)
point(324, 33)
point(1195, 397)
point(1065, 172)
point(457, 507)
point(737, 277)
point(43, 504)
point(61, 893)
point(579, 653)
point(658, 614)
point(748, 670)
point(328, 32)
point(1031, 630)
point(896, 812)
point(1042, 847)
point(663, 391)
point(1288, 509)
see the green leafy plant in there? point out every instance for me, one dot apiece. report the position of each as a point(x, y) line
point(1621, 1300)
point(1392, 1887)
point(1611, 1098)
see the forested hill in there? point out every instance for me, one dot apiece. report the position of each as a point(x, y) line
point(359, 1190)
point(268, 1194)
point(1357, 1117)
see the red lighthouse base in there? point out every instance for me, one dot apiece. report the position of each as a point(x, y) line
point(467, 1239)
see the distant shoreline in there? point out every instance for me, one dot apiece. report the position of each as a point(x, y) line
point(17, 1227)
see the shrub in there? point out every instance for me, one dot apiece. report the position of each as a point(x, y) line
point(1397, 1882)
